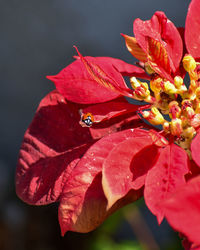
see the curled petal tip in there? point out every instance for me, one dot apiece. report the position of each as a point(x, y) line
point(74, 46)
point(52, 78)
point(76, 57)
point(63, 231)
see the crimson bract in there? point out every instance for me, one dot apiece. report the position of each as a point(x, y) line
point(92, 151)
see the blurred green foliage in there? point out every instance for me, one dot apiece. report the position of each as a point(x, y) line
point(106, 243)
point(107, 236)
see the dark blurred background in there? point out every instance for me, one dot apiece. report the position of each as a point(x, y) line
point(36, 40)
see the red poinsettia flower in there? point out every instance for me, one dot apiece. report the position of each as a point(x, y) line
point(93, 151)
point(182, 209)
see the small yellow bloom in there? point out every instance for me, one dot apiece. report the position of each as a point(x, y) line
point(189, 63)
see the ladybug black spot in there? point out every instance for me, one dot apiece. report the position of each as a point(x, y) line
point(88, 121)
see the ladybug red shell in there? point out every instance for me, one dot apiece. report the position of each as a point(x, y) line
point(86, 120)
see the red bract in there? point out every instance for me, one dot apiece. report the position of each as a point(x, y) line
point(182, 210)
point(161, 42)
point(77, 85)
point(192, 29)
point(90, 149)
point(165, 177)
point(158, 43)
point(83, 203)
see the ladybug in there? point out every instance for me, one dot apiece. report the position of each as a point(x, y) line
point(86, 120)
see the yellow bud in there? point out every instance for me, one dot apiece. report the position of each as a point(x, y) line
point(193, 84)
point(178, 81)
point(141, 89)
point(193, 75)
point(189, 112)
point(166, 126)
point(189, 63)
point(155, 85)
point(197, 109)
point(186, 103)
point(169, 88)
point(146, 114)
point(197, 92)
point(174, 109)
point(176, 127)
point(195, 121)
point(145, 85)
point(141, 93)
point(155, 111)
point(184, 121)
point(135, 82)
point(155, 117)
point(182, 89)
point(172, 104)
point(189, 132)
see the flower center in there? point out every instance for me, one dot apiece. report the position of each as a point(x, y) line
point(173, 106)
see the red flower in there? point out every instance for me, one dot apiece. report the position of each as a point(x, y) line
point(90, 149)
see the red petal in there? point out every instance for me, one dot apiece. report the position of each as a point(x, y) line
point(182, 210)
point(52, 144)
point(76, 84)
point(83, 204)
point(165, 177)
point(140, 165)
point(192, 27)
point(108, 110)
point(117, 173)
point(195, 145)
point(189, 245)
point(164, 40)
point(194, 170)
point(181, 31)
point(158, 58)
point(115, 124)
point(102, 74)
point(124, 68)
point(134, 48)
point(171, 36)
